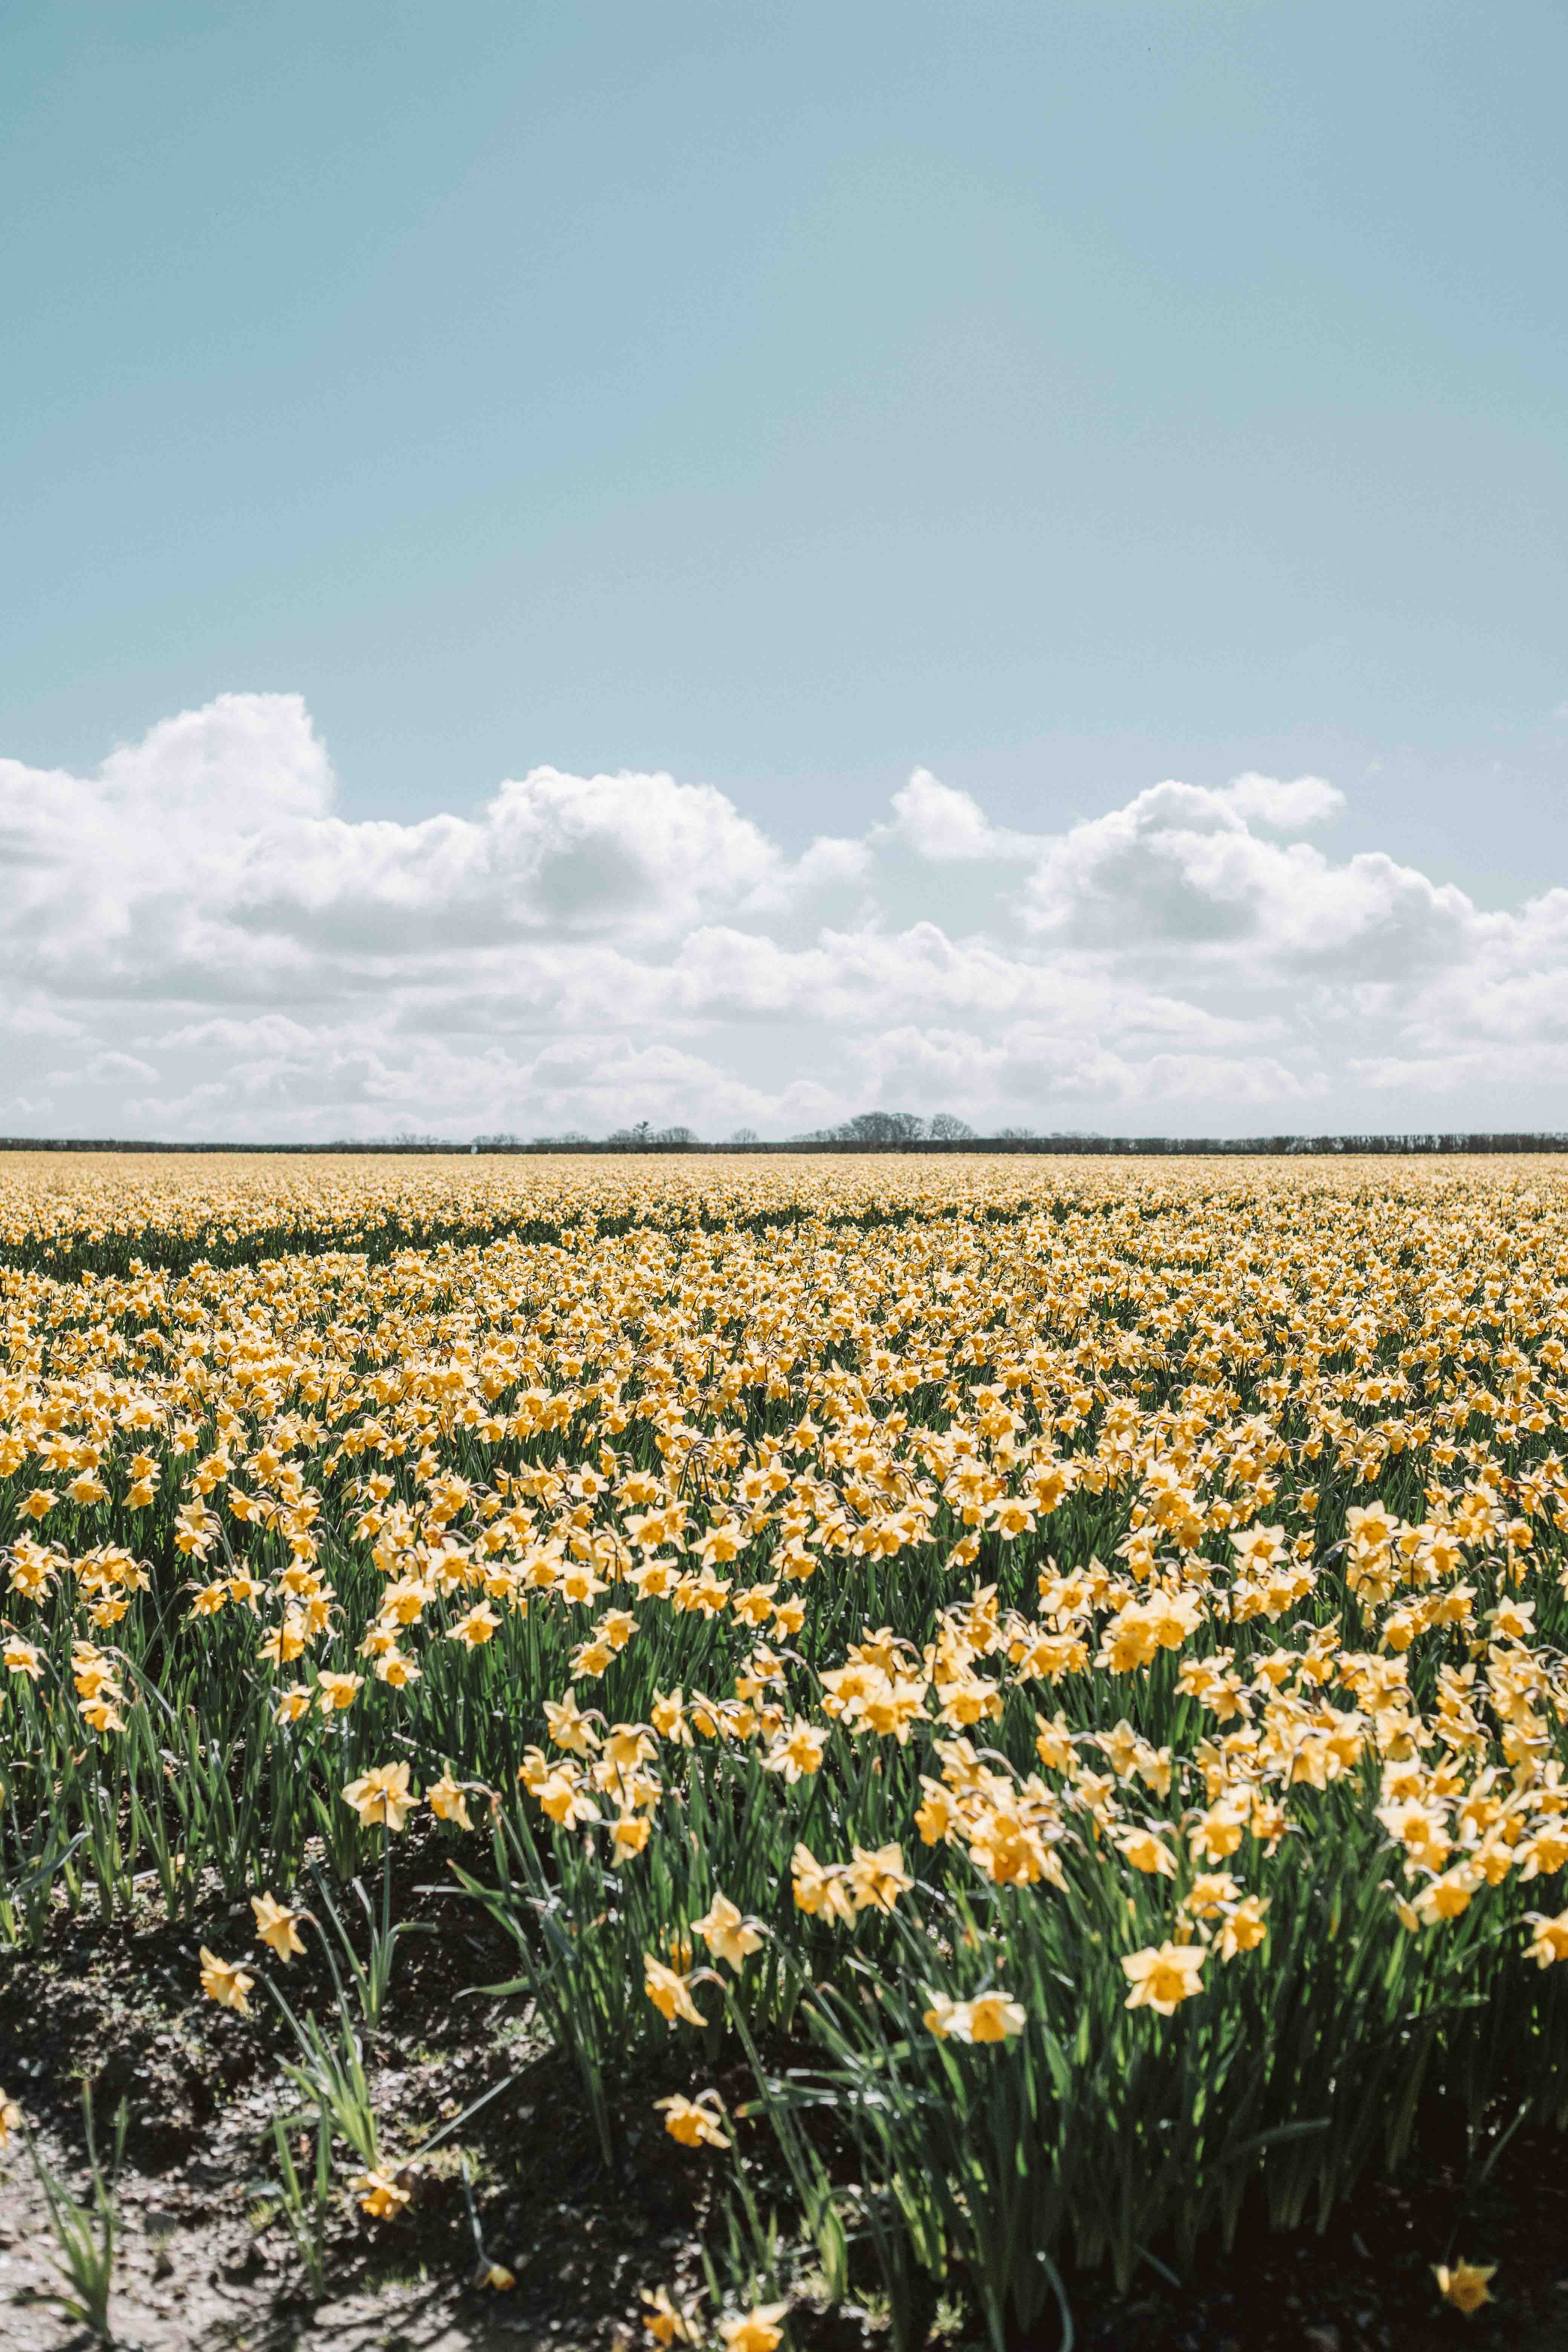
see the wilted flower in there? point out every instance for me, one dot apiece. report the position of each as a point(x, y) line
point(379, 2194)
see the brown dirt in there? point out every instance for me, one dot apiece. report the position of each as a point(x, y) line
point(204, 2262)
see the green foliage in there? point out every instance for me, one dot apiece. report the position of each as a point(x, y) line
point(1092, 1329)
point(85, 2234)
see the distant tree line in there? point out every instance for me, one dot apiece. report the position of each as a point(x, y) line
point(872, 1131)
point(885, 1126)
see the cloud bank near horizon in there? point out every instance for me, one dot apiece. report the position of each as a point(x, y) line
point(196, 944)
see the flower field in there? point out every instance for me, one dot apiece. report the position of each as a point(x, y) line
point(1012, 1715)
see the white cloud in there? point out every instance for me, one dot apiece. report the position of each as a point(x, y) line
point(943, 825)
point(194, 942)
point(1265, 800)
point(831, 862)
point(554, 854)
point(106, 1070)
point(1180, 868)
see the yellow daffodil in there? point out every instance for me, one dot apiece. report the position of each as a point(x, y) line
point(988, 2017)
point(757, 2330)
point(669, 1992)
point(277, 1925)
point(382, 1794)
point(876, 1879)
point(695, 2122)
point(477, 1627)
point(1243, 1926)
point(226, 1982)
point(1164, 1977)
point(1547, 1937)
point(448, 1801)
point(729, 1937)
point(663, 2320)
point(379, 2194)
point(1467, 2286)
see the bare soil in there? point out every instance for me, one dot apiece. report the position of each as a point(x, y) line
point(206, 2261)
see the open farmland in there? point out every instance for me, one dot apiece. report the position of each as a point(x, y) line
point(818, 1747)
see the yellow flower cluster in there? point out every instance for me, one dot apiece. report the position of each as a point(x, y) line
point(1233, 1486)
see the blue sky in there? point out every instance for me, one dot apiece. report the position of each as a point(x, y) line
point(1056, 398)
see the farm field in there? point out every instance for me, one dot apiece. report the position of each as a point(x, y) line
point(786, 1752)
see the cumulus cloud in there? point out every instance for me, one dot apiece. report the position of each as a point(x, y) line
point(571, 856)
point(1181, 867)
point(943, 825)
point(1269, 801)
point(196, 943)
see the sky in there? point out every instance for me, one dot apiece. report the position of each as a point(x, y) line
point(571, 563)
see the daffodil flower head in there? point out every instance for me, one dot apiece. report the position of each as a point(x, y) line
point(1467, 2286)
point(226, 1982)
point(1162, 1977)
point(728, 1936)
point(277, 1925)
point(381, 1795)
point(695, 2122)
